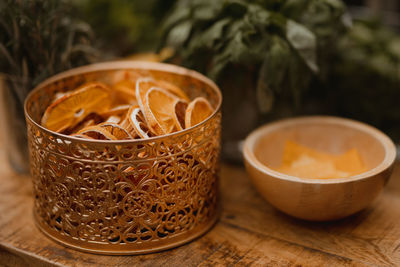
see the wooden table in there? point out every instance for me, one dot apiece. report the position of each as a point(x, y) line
point(249, 232)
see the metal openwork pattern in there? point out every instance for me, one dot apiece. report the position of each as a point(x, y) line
point(124, 197)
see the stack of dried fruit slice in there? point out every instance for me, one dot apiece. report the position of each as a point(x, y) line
point(133, 107)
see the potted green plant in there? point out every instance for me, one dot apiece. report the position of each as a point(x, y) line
point(264, 54)
point(38, 38)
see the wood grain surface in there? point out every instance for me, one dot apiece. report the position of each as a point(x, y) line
point(249, 232)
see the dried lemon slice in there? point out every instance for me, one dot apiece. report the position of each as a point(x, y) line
point(197, 111)
point(158, 111)
point(73, 107)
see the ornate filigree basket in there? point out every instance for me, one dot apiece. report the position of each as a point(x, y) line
point(126, 196)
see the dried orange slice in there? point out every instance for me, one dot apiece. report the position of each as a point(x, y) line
point(178, 115)
point(59, 95)
point(126, 75)
point(113, 119)
point(97, 132)
point(135, 124)
point(116, 130)
point(129, 128)
point(172, 89)
point(125, 92)
point(145, 84)
point(127, 125)
point(138, 122)
point(119, 110)
point(90, 120)
point(158, 110)
point(197, 111)
point(73, 107)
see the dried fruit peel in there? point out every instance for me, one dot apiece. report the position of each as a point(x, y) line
point(304, 162)
point(135, 107)
point(72, 108)
point(159, 109)
point(124, 91)
point(197, 111)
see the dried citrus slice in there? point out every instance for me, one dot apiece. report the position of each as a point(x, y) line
point(179, 114)
point(125, 92)
point(119, 110)
point(97, 132)
point(116, 130)
point(138, 122)
point(127, 125)
point(129, 128)
point(135, 124)
point(73, 107)
point(197, 111)
point(172, 89)
point(113, 119)
point(59, 95)
point(158, 111)
point(145, 84)
point(120, 75)
point(90, 120)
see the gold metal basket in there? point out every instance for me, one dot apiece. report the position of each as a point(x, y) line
point(125, 196)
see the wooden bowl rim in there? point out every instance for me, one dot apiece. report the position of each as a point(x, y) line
point(383, 139)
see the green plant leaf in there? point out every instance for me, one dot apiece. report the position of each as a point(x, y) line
point(273, 73)
point(204, 11)
point(181, 12)
point(210, 36)
point(258, 16)
point(294, 8)
point(304, 42)
point(325, 18)
point(278, 59)
point(235, 8)
point(299, 78)
point(179, 34)
point(265, 95)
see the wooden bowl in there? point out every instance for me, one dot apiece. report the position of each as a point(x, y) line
point(319, 199)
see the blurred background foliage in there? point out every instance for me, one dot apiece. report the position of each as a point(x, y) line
point(365, 81)
point(301, 57)
point(292, 57)
point(40, 38)
point(124, 27)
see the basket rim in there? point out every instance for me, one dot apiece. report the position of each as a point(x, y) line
point(117, 65)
